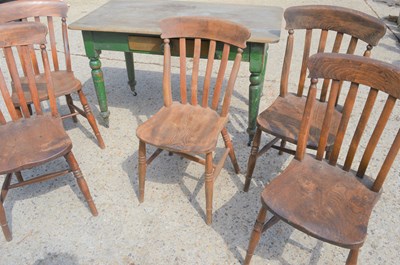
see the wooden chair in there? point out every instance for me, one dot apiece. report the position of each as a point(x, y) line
point(65, 83)
point(30, 140)
point(191, 127)
point(282, 119)
point(317, 196)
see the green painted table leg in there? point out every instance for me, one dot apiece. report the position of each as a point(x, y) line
point(258, 62)
point(130, 67)
point(97, 75)
point(98, 80)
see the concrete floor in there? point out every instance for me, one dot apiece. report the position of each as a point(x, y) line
point(51, 223)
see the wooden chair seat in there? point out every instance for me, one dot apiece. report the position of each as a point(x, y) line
point(64, 83)
point(183, 128)
point(286, 124)
point(322, 200)
point(39, 139)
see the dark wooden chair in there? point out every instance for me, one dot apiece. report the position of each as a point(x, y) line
point(315, 195)
point(191, 127)
point(33, 139)
point(282, 119)
point(65, 82)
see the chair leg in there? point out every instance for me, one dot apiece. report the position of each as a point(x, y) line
point(283, 144)
point(18, 111)
point(30, 109)
point(256, 234)
point(73, 164)
point(91, 119)
point(209, 187)
point(3, 223)
point(353, 256)
point(70, 104)
point(18, 174)
point(328, 153)
point(228, 144)
point(252, 159)
point(3, 219)
point(5, 187)
point(142, 169)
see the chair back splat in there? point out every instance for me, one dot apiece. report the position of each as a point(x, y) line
point(379, 77)
point(54, 15)
point(22, 37)
point(327, 20)
point(199, 36)
point(45, 13)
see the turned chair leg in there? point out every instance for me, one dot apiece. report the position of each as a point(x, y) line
point(209, 187)
point(70, 104)
point(252, 159)
point(353, 256)
point(3, 219)
point(81, 182)
point(142, 169)
point(256, 234)
point(228, 144)
point(3, 223)
point(91, 119)
point(283, 144)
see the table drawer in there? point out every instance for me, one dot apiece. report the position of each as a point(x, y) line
point(145, 44)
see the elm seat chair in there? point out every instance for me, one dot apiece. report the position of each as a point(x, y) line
point(317, 196)
point(191, 127)
point(33, 139)
point(282, 119)
point(65, 82)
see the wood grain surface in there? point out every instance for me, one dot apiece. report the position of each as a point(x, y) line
point(264, 22)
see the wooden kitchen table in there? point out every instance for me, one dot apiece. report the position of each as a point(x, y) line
point(133, 26)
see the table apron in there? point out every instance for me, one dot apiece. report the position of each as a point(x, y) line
point(147, 44)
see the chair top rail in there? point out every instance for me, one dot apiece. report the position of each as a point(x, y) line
point(340, 19)
point(23, 9)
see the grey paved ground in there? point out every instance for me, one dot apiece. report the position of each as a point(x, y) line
point(52, 225)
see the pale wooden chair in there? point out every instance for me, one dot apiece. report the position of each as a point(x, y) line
point(333, 24)
point(315, 195)
point(65, 82)
point(33, 139)
point(191, 127)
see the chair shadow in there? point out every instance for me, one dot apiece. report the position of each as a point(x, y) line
point(174, 169)
point(41, 188)
point(57, 258)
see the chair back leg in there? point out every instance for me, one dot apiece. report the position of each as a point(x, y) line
point(91, 119)
point(228, 144)
point(70, 104)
